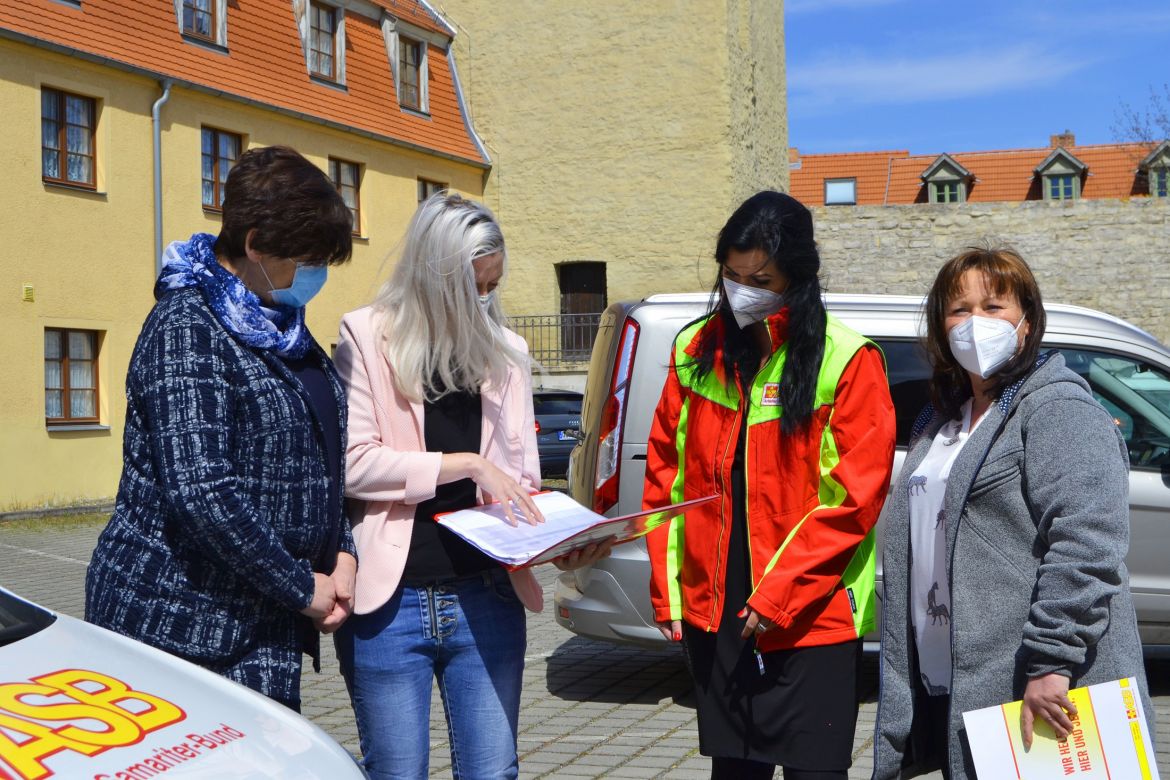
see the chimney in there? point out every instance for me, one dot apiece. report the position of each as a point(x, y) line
point(1065, 139)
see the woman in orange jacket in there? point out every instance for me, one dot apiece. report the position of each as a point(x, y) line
point(786, 414)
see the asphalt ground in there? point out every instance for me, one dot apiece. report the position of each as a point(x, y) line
point(589, 709)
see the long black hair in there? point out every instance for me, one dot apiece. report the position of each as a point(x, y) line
point(779, 226)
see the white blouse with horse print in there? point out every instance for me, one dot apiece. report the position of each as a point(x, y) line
point(929, 585)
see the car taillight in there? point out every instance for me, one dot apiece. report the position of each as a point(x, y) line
point(613, 420)
point(538, 426)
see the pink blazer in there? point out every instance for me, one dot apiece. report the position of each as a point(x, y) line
point(389, 470)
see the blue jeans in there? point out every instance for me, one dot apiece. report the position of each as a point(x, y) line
point(468, 634)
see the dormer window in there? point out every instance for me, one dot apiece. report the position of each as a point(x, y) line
point(946, 180)
point(203, 21)
point(323, 41)
point(1061, 186)
point(1156, 166)
point(1060, 175)
point(1160, 182)
point(322, 28)
point(406, 48)
point(410, 59)
point(199, 18)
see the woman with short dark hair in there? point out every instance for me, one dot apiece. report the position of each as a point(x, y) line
point(228, 540)
point(1006, 533)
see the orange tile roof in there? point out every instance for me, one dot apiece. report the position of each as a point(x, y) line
point(1002, 175)
point(871, 169)
point(264, 63)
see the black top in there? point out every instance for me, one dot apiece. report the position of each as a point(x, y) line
point(450, 424)
point(323, 407)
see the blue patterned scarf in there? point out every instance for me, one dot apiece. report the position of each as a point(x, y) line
point(280, 329)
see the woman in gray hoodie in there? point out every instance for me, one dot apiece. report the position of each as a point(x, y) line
point(1006, 533)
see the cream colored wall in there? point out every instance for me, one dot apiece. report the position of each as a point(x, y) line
point(90, 256)
point(621, 132)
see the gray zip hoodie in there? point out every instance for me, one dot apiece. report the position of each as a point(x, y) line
point(1038, 528)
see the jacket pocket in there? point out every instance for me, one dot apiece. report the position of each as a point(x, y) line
point(995, 474)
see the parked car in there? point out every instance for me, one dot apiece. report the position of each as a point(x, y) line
point(558, 416)
point(1128, 369)
point(80, 701)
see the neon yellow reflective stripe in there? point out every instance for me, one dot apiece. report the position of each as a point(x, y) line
point(675, 532)
point(859, 577)
point(709, 387)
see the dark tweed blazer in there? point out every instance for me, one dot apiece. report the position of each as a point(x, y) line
point(223, 508)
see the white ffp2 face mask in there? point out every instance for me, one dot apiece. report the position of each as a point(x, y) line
point(751, 304)
point(983, 344)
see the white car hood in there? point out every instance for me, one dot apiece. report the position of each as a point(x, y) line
point(77, 701)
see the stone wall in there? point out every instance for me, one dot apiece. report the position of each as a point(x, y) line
point(1112, 255)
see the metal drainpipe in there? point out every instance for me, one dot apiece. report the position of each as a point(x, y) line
point(155, 117)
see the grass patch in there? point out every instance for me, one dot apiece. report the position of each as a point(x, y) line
point(56, 522)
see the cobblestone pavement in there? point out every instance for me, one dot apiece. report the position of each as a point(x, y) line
point(589, 709)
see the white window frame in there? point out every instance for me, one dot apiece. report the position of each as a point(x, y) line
point(221, 32)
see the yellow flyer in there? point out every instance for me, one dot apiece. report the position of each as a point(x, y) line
point(1110, 739)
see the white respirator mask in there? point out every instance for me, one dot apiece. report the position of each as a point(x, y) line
point(982, 345)
point(751, 304)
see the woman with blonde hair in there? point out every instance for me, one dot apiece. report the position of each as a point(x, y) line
point(441, 419)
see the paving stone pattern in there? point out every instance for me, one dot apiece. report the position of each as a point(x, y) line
point(589, 709)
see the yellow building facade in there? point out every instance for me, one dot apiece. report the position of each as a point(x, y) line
point(82, 260)
point(621, 134)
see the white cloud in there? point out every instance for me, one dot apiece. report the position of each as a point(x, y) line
point(868, 80)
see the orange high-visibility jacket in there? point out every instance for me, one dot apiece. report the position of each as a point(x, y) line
point(813, 498)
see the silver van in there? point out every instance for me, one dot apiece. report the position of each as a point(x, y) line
point(1128, 369)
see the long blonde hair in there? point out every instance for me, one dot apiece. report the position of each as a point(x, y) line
point(436, 335)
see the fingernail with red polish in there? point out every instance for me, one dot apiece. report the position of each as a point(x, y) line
point(677, 635)
point(742, 613)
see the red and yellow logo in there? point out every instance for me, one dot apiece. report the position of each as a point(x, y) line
point(771, 394)
point(97, 712)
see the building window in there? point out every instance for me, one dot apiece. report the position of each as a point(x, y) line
point(583, 299)
point(410, 59)
point(946, 192)
point(199, 19)
point(67, 138)
point(427, 188)
point(347, 178)
point(220, 152)
point(840, 192)
point(1060, 186)
point(323, 41)
point(1160, 182)
point(71, 393)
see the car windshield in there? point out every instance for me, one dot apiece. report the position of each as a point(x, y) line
point(557, 404)
point(19, 619)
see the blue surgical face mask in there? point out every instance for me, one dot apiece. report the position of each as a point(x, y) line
point(307, 282)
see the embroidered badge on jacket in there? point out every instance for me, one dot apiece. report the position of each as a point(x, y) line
point(771, 394)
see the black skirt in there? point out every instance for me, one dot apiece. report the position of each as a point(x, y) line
point(794, 708)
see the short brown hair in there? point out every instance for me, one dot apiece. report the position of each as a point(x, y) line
point(290, 203)
point(1006, 272)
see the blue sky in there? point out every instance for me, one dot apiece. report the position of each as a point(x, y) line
point(943, 76)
